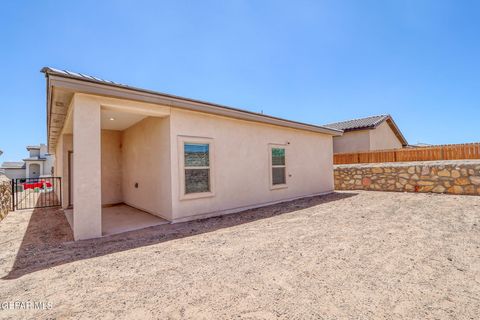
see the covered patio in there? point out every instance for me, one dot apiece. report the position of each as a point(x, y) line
point(114, 158)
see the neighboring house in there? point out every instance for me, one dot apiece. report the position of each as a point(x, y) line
point(176, 158)
point(420, 145)
point(14, 170)
point(38, 164)
point(367, 134)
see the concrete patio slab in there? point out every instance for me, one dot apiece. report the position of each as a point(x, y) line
point(122, 218)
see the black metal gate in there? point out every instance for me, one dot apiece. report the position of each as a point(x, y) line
point(32, 193)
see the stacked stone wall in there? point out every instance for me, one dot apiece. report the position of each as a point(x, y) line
point(5, 196)
point(454, 177)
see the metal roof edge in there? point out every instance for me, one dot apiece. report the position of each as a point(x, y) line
point(197, 105)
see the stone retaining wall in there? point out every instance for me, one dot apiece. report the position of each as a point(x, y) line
point(5, 196)
point(455, 177)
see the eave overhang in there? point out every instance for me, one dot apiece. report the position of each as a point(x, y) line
point(56, 114)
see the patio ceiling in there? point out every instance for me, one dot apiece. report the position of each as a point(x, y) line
point(116, 114)
point(117, 120)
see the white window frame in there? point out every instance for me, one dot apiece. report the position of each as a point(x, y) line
point(271, 166)
point(182, 140)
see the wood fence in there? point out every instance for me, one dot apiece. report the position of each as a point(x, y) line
point(439, 152)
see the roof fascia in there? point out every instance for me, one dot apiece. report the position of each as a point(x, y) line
point(397, 131)
point(116, 91)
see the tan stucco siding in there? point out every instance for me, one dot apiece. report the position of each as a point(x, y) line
point(146, 161)
point(352, 141)
point(241, 163)
point(383, 137)
point(64, 145)
point(111, 167)
point(48, 164)
point(59, 166)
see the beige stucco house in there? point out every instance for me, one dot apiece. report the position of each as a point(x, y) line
point(38, 164)
point(175, 158)
point(367, 134)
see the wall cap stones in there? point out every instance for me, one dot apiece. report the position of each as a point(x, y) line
point(411, 164)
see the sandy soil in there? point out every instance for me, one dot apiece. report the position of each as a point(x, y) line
point(349, 255)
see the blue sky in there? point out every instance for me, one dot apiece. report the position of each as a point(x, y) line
point(310, 61)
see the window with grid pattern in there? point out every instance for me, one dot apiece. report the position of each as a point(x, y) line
point(197, 167)
point(278, 166)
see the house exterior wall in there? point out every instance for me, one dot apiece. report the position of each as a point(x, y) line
point(49, 161)
point(59, 165)
point(241, 163)
point(34, 153)
point(43, 150)
point(48, 165)
point(352, 141)
point(87, 192)
point(111, 167)
point(45, 165)
point(382, 137)
point(146, 162)
point(34, 169)
point(140, 165)
point(21, 173)
point(14, 173)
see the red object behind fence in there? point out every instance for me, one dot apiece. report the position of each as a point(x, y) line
point(39, 185)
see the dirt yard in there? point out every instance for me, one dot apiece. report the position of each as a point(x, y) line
point(349, 255)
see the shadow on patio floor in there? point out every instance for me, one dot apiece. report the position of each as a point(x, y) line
point(48, 239)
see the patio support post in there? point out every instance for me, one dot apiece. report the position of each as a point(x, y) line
point(87, 191)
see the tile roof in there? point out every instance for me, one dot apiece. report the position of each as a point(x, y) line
point(369, 123)
point(13, 165)
point(359, 124)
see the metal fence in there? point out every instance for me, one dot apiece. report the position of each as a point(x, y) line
point(32, 193)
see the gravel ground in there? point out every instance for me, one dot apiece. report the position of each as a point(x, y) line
point(348, 255)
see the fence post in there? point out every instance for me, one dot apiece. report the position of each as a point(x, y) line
point(13, 194)
point(60, 183)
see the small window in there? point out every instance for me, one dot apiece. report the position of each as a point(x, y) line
point(278, 166)
point(197, 167)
